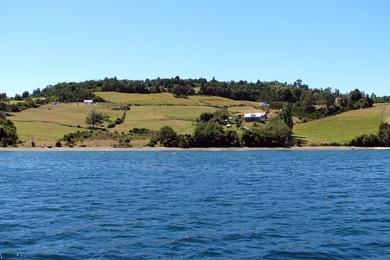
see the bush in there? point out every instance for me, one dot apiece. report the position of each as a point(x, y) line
point(8, 134)
point(168, 137)
point(366, 141)
point(95, 118)
point(384, 134)
point(209, 134)
point(232, 139)
point(372, 140)
point(141, 130)
point(185, 141)
point(273, 134)
point(58, 144)
point(220, 117)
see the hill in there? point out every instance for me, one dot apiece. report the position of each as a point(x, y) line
point(343, 127)
point(48, 123)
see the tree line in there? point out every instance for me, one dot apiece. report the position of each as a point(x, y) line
point(210, 132)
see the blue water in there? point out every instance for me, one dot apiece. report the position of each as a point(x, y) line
point(123, 205)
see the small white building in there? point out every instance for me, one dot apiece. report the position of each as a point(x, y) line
point(264, 105)
point(255, 117)
point(88, 102)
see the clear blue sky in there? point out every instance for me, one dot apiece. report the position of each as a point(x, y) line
point(341, 44)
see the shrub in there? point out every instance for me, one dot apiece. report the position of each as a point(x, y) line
point(209, 134)
point(141, 130)
point(273, 134)
point(185, 141)
point(384, 134)
point(111, 124)
point(168, 137)
point(8, 134)
point(232, 139)
point(95, 118)
point(219, 117)
point(373, 140)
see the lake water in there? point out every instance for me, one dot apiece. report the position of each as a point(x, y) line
point(255, 204)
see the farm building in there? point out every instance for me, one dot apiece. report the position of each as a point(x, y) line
point(264, 105)
point(88, 102)
point(255, 117)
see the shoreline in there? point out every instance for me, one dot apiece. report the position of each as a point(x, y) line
point(175, 149)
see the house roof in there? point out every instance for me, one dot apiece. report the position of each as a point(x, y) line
point(254, 115)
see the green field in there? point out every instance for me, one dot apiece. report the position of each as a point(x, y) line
point(180, 118)
point(343, 127)
point(48, 123)
point(169, 99)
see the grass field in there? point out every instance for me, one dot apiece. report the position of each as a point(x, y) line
point(180, 118)
point(169, 99)
point(343, 127)
point(48, 123)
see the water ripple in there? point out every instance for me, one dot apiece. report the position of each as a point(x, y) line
point(236, 205)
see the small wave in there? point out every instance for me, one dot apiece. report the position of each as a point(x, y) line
point(278, 254)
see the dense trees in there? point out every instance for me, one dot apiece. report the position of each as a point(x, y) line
point(273, 134)
point(8, 134)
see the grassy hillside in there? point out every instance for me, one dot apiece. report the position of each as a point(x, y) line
point(169, 99)
point(48, 123)
point(180, 118)
point(343, 127)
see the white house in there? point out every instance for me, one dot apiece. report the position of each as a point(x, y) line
point(88, 102)
point(255, 117)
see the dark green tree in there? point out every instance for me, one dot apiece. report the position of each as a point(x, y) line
point(168, 137)
point(286, 115)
